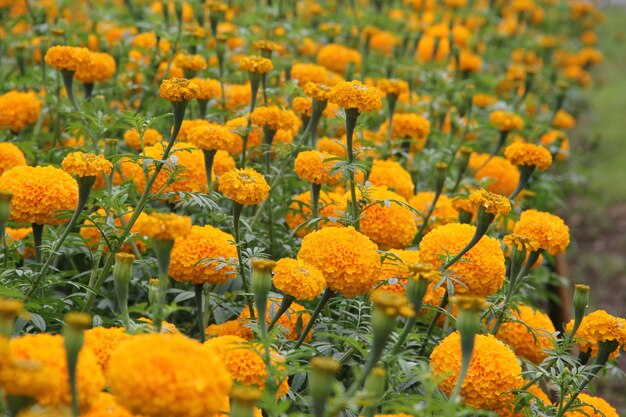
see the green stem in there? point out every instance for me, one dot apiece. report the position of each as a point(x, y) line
point(284, 306)
point(352, 116)
point(242, 267)
point(199, 304)
point(318, 309)
point(209, 156)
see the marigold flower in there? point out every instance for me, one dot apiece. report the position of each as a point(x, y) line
point(354, 95)
point(557, 137)
point(309, 73)
point(202, 242)
point(178, 89)
point(211, 137)
point(331, 146)
point(39, 193)
point(492, 373)
point(244, 362)
point(10, 156)
point(244, 186)
point(302, 106)
point(337, 57)
point(150, 137)
point(299, 211)
point(548, 230)
point(102, 341)
point(392, 175)
point(165, 226)
point(86, 164)
point(256, 64)
point(530, 338)
point(275, 119)
point(563, 120)
point(492, 203)
point(348, 259)
point(193, 62)
point(19, 110)
point(393, 86)
point(411, 126)
point(505, 174)
point(237, 96)
point(599, 326)
point(312, 166)
point(100, 68)
point(179, 371)
point(392, 303)
point(68, 58)
point(39, 411)
point(482, 273)
point(298, 279)
point(528, 154)
point(317, 91)
point(506, 121)
point(444, 211)
point(595, 407)
point(230, 328)
point(38, 369)
point(522, 242)
point(290, 324)
point(106, 406)
point(387, 222)
point(207, 88)
point(483, 100)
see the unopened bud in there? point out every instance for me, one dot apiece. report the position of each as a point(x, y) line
point(321, 379)
point(243, 399)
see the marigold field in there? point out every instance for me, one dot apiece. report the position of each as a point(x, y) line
point(295, 207)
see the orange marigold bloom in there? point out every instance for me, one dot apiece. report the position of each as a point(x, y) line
point(202, 242)
point(298, 279)
point(245, 363)
point(336, 57)
point(230, 328)
point(38, 368)
point(10, 156)
point(244, 186)
point(393, 86)
point(392, 175)
point(106, 406)
point(290, 324)
point(531, 336)
point(190, 62)
point(492, 203)
point(102, 341)
point(300, 211)
point(443, 213)
point(150, 137)
point(274, 118)
point(482, 273)
point(599, 326)
point(256, 64)
point(506, 121)
point(86, 164)
point(331, 146)
point(385, 220)
point(178, 89)
point(492, 373)
point(483, 100)
point(237, 126)
point(237, 96)
point(302, 106)
point(595, 407)
point(505, 174)
point(188, 125)
point(165, 226)
point(313, 166)
point(548, 230)
point(319, 92)
point(201, 381)
point(18, 110)
point(309, 73)
point(355, 95)
point(211, 137)
point(39, 193)
point(68, 58)
point(563, 120)
point(557, 137)
point(348, 259)
point(207, 88)
point(528, 154)
point(409, 126)
point(100, 68)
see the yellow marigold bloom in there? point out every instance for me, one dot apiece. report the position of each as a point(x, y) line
point(557, 137)
point(548, 230)
point(348, 259)
point(563, 120)
point(19, 110)
point(100, 68)
point(201, 243)
point(290, 324)
point(298, 279)
point(599, 326)
point(331, 146)
point(336, 57)
point(444, 211)
point(10, 156)
point(102, 341)
point(238, 126)
point(522, 242)
point(207, 88)
point(178, 371)
point(178, 89)
point(150, 137)
point(354, 95)
point(244, 186)
point(595, 407)
point(38, 369)
point(244, 362)
point(275, 119)
point(188, 126)
point(211, 137)
point(384, 42)
point(409, 126)
point(393, 86)
point(39, 411)
point(302, 106)
point(106, 406)
point(482, 273)
point(392, 175)
point(319, 92)
point(483, 100)
point(266, 45)
point(68, 58)
point(86, 164)
point(190, 62)
point(492, 373)
point(313, 166)
point(300, 211)
point(530, 338)
point(504, 175)
point(230, 328)
point(387, 222)
point(165, 226)
point(256, 64)
point(469, 62)
point(506, 121)
point(39, 193)
point(309, 73)
point(528, 154)
point(237, 96)
point(492, 203)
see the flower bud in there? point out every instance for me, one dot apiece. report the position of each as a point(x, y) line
point(374, 389)
point(321, 378)
point(5, 210)
point(122, 273)
point(9, 310)
point(242, 401)
point(262, 277)
point(581, 299)
point(440, 176)
point(75, 325)
point(110, 147)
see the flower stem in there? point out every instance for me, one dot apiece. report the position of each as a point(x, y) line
point(318, 309)
point(209, 156)
point(284, 306)
point(199, 304)
point(352, 116)
point(242, 267)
